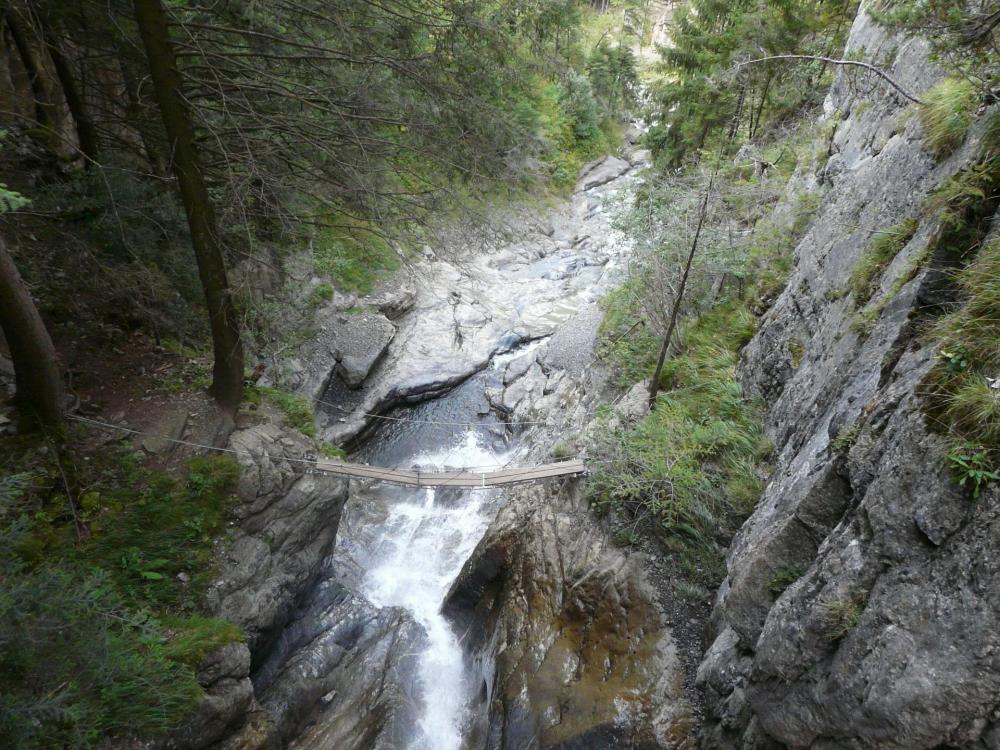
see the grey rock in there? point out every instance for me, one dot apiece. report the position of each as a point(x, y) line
point(343, 675)
point(395, 303)
point(224, 674)
point(589, 662)
point(164, 433)
point(883, 531)
point(359, 344)
point(602, 172)
point(286, 522)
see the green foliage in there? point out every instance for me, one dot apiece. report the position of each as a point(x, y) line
point(321, 294)
point(879, 253)
point(784, 577)
point(77, 664)
point(353, 254)
point(81, 657)
point(298, 410)
point(11, 200)
point(841, 616)
point(613, 76)
point(946, 114)
point(701, 95)
point(332, 451)
point(193, 637)
point(846, 437)
point(692, 464)
point(971, 465)
point(960, 33)
point(961, 389)
point(158, 531)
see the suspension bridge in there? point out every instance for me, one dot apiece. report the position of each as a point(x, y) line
point(478, 478)
point(456, 478)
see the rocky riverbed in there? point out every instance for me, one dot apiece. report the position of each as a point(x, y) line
point(382, 617)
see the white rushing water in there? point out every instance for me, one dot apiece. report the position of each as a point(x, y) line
point(424, 544)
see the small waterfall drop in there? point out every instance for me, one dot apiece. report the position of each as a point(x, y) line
point(427, 537)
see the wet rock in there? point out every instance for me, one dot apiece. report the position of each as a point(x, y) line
point(602, 172)
point(343, 675)
point(286, 522)
point(359, 343)
point(567, 636)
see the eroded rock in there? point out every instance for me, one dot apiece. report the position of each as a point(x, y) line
point(568, 639)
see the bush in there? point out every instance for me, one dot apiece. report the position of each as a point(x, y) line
point(879, 253)
point(297, 410)
point(946, 114)
point(692, 465)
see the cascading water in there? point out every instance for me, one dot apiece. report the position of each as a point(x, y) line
point(426, 535)
point(426, 540)
point(399, 550)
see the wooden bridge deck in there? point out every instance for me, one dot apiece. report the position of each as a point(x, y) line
point(468, 479)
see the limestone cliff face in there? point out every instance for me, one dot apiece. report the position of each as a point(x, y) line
point(890, 637)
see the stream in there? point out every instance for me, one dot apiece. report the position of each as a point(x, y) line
point(377, 615)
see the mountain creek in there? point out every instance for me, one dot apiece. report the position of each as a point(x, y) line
point(442, 619)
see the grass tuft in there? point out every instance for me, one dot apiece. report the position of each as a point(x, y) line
point(879, 253)
point(946, 114)
point(841, 616)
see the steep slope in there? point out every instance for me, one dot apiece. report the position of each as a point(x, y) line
point(890, 633)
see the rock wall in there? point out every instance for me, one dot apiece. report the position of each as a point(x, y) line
point(284, 528)
point(571, 644)
point(890, 636)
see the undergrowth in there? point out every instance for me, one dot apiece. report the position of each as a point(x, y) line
point(691, 467)
point(879, 253)
point(962, 390)
point(298, 411)
point(946, 114)
point(100, 589)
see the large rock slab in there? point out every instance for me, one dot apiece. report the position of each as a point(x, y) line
point(359, 343)
point(601, 173)
point(569, 641)
point(286, 522)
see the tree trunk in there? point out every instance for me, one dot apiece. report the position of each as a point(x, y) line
point(48, 104)
point(227, 374)
point(654, 385)
point(40, 399)
point(85, 132)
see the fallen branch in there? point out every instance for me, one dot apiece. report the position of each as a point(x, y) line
point(857, 63)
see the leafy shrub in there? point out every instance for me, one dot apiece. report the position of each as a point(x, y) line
point(946, 114)
point(971, 465)
point(703, 436)
point(879, 253)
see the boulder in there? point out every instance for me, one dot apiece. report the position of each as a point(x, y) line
point(608, 169)
point(359, 343)
point(566, 634)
